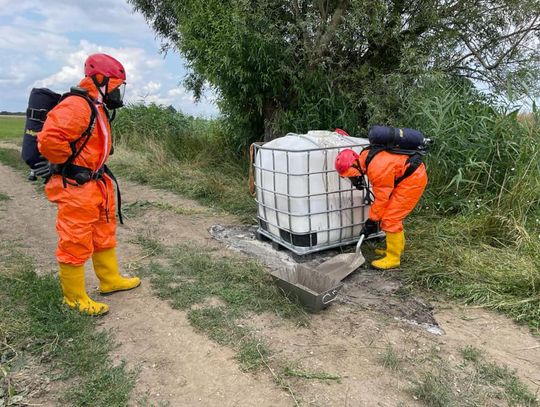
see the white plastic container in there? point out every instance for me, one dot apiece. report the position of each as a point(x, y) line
point(302, 202)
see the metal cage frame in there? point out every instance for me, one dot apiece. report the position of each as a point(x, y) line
point(344, 188)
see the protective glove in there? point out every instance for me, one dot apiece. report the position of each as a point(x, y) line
point(370, 227)
point(42, 169)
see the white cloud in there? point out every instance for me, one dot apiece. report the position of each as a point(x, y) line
point(45, 44)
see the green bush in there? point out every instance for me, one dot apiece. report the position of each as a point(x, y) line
point(183, 137)
point(190, 156)
point(485, 160)
point(484, 157)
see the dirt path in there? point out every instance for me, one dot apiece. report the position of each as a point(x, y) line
point(177, 365)
point(183, 368)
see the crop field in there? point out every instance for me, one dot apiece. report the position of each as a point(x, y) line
point(11, 127)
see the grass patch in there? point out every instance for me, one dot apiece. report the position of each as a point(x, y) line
point(196, 274)
point(390, 359)
point(451, 255)
point(221, 325)
point(12, 158)
point(471, 354)
point(12, 127)
point(4, 197)
point(36, 327)
point(218, 294)
point(150, 246)
point(434, 389)
point(137, 208)
point(290, 372)
point(514, 392)
point(473, 381)
point(216, 184)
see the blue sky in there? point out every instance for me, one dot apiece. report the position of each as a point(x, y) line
point(45, 43)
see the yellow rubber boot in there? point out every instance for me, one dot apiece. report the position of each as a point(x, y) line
point(395, 242)
point(106, 268)
point(382, 252)
point(72, 280)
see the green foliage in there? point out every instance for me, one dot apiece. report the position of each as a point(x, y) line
point(453, 255)
point(279, 65)
point(192, 157)
point(484, 157)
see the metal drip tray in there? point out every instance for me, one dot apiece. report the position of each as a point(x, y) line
point(314, 290)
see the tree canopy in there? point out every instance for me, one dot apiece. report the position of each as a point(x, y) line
point(292, 65)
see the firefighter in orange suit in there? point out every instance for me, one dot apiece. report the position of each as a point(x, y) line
point(81, 185)
point(396, 189)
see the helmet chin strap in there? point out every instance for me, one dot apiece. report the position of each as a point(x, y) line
point(101, 87)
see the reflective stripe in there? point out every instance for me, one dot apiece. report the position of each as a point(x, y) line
point(106, 138)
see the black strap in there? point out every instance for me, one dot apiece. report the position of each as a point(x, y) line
point(38, 115)
point(108, 171)
point(414, 162)
point(85, 135)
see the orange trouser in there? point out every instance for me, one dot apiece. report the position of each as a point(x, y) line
point(403, 200)
point(86, 220)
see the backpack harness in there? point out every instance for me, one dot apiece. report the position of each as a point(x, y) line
point(415, 160)
point(69, 171)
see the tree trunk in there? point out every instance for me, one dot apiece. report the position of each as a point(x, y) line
point(269, 113)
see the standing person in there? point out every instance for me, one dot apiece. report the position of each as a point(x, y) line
point(76, 140)
point(398, 181)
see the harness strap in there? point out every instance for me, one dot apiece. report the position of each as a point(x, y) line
point(110, 174)
point(86, 134)
point(414, 162)
point(82, 175)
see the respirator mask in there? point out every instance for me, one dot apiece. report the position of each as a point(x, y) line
point(358, 182)
point(115, 98)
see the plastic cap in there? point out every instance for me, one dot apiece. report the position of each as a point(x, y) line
point(341, 132)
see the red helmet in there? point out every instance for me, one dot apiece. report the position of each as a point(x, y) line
point(105, 65)
point(344, 160)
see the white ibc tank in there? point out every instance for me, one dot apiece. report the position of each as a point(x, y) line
point(302, 203)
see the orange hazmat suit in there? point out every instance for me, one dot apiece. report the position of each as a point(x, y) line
point(86, 219)
point(396, 193)
point(392, 203)
point(81, 186)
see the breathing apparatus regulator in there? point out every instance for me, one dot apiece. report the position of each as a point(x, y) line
point(113, 99)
